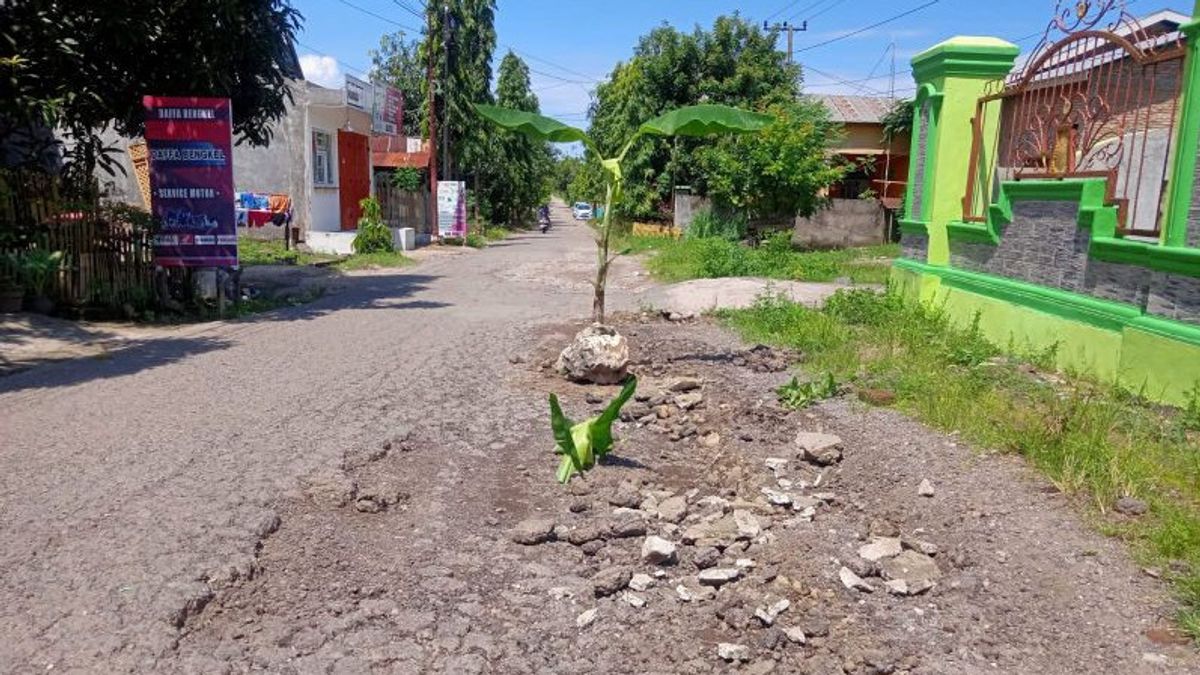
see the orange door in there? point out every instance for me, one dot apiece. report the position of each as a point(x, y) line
point(354, 175)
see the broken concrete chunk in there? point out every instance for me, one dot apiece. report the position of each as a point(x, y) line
point(925, 489)
point(733, 652)
point(818, 448)
point(533, 531)
point(658, 551)
point(880, 548)
point(718, 576)
point(916, 570)
point(854, 582)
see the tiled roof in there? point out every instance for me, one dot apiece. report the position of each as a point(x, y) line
point(862, 109)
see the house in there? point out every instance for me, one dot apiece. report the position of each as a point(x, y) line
point(862, 206)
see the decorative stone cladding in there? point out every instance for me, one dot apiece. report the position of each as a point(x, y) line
point(1174, 296)
point(918, 171)
point(914, 246)
point(1044, 245)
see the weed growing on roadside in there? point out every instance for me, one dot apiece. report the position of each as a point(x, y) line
point(796, 394)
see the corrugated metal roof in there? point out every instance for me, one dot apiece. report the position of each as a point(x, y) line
point(854, 109)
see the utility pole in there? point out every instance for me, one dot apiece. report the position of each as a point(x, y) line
point(448, 174)
point(791, 31)
point(431, 207)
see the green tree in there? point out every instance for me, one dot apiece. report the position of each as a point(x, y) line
point(398, 62)
point(79, 66)
point(781, 170)
point(513, 179)
point(734, 63)
point(898, 120)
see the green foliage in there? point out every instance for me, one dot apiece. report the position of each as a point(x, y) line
point(582, 444)
point(406, 178)
point(36, 267)
point(566, 169)
point(714, 257)
point(272, 252)
point(1090, 438)
point(1190, 416)
point(796, 395)
point(709, 223)
point(898, 120)
point(80, 66)
point(783, 170)
point(398, 62)
point(373, 234)
point(377, 260)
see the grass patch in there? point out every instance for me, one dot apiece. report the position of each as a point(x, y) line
point(712, 257)
point(272, 252)
point(1092, 439)
point(377, 260)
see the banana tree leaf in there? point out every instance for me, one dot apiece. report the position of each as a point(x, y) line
point(601, 430)
point(533, 125)
point(561, 426)
point(702, 120)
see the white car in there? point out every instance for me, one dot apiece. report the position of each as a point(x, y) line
point(582, 211)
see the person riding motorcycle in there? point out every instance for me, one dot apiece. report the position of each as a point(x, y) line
point(544, 217)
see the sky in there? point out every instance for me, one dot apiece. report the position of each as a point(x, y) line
point(571, 45)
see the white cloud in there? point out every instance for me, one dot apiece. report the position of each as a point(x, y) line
point(323, 70)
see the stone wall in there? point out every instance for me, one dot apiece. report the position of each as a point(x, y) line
point(1045, 245)
point(846, 222)
point(914, 246)
point(1174, 296)
point(918, 172)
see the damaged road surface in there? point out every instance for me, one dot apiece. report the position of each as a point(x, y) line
point(366, 484)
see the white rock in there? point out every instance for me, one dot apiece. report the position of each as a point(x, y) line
point(768, 613)
point(684, 593)
point(713, 501)
point(818, 448)
point(853, 581)
point(785, 483)
point(733, 652)
point(777, 498)
point(747, 524)
point(795, 635)
point(634, 600)
point(673, 509)
point(801, 503)
point(925, 489)
point(903, 587)
point(718, 576)
point(880, 548)
point(917, 571)
point(598, 354)
point(561, 592)
point(746, 563)
point(776, 464)
point(585, 619)
point(641, 582)
point(695, 594)
point(658, 551)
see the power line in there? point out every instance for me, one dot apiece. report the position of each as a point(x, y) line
point(790, 5)
point(408, 8)
point(341, 63)
point(565, 69)
point(378, 16)
point(877, 24)
point(835, 4)
point(837, 80)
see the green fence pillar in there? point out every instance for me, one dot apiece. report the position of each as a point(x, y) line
point(951, 77)
point(1187, 139)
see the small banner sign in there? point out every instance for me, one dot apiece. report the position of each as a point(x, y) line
point(452, 208)
point(190, 145)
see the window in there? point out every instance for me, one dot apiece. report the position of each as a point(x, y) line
point(322, 145)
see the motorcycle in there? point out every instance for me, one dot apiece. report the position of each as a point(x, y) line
point(544, 220)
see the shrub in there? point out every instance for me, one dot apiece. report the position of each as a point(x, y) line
point(709, 224)
point(373, 236)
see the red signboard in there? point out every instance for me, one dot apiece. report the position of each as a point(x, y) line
point(190, 143)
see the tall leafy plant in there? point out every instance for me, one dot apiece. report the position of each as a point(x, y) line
point(696, 120)
point(582, 444)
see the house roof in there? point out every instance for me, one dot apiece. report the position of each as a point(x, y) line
point(855, 109)
point(392, 151)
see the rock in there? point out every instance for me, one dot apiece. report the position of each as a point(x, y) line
point(580, 505)
point(880, 548)
point(902, 587)
point(706, 557)
point(533, 531)
point(593, 398)
point(673, 509)
point(720, 531)
point(626, 496)
point(854, 582)
point(641, 582)
point(696, 594)
point(745, 563)
point(598, 354)
point(585, 619)
point(1130, 506)
point(689, 400)
point(367, 505)
point(561, 592)
point(925, 489)
point(682, 384)
point(515, 359)
point(928, 548)
point(777, 465)
point(747, 524)
point(718, 576)
point(658, 551)
point(609, 581)
point(776, 498)
point(795, 635)
point(883, 528)
point(733, 652)
point(633, 600)
point(918, 572)
point(585, 533)
point(592, 547)
point(710, 440)
point(818, 448)
point(627, 527)
point(769, 612)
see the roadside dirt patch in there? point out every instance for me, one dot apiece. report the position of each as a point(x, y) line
point(706, 542)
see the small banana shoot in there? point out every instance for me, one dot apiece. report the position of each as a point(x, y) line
point(581, 444)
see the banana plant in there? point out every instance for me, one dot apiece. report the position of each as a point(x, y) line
point(696, 120)
point(582, 444)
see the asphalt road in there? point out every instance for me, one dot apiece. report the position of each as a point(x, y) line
point(129, 481)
